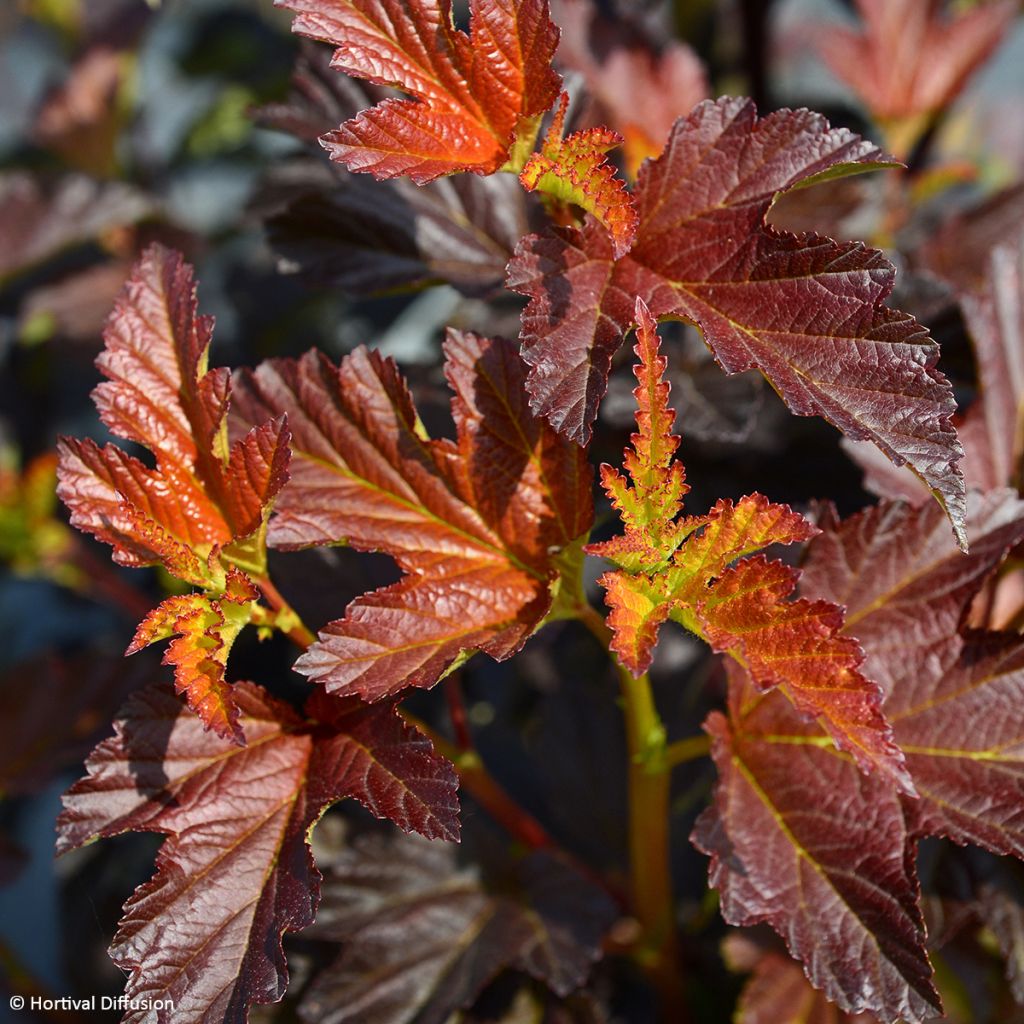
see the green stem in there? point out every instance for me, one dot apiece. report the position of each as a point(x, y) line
point(689, 749)
point(288, 620)
point(649, 846)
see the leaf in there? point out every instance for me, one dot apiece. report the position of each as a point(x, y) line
point(909, 59)
point(576, 170)
point(697, 570)
point(639, 92)
point(39, 220)
point(800, 840)
point(206, 629)
point(202, 511)
point(236, 871)
point(457, 935)
point(363, 236)
point(472, 94)
point(804, 310)
point(951, 697)
point(779, 993)
point(476, 525)
point(899, 576)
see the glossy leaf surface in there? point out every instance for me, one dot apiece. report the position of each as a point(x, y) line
point(471, 93)
point(236, 871)
point(475, 524)
point(800, 840)
point(806, 311)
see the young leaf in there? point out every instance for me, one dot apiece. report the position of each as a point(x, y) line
point(576, 170)
point(236, 871)
point(476, 525)
point(203, 509)
point(806, 311)
point(697, 570)
point(473, 95)
point(457, 935)
point(800, 840)
point(909, 59)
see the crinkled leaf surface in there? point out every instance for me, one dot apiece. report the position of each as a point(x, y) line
point(806, 311)
point(800, 840)
point(899, 576)
point(456, 934)
point(698, 571)
point(909, 58)
point(576, 170)
point(471, 93)
point(475, 524)
point(954, 699)
point(202, 497)
point(236, 871)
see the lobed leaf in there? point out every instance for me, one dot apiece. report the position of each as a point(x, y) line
point(471, 94)
point(698, 571)
point(476, 524)
point(458, 933)
point(202, 511)
point(236, 871)
point(806, 311)
point(800, 840)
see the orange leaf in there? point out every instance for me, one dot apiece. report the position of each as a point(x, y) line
point(472, 94)
point(576, 170)
point(698, 572)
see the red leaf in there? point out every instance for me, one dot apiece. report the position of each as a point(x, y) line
point(697, 571)
point(800, 840)
point(909, 59)
point(472, 92)
point(236, 871)
point(160, 394)
point(476, 524)
point(952, 698)
point(806, 311)
point(899, 576)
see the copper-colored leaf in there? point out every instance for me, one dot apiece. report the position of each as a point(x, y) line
point(806, 311)
point(779, 993)
point(471, 93)
point(202, 510)
point(236, 872)
point(800, 840)
point(476, 524)
point(697, 570)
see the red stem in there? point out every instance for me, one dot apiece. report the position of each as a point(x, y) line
point(457, 711)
